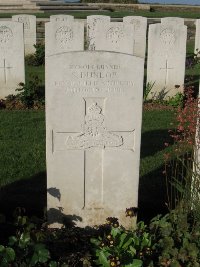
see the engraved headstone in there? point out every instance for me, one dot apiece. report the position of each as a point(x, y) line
point(166, 59)
point(29, 22)
point(115, 36)
point(64, 36)
point(172, 20)
point(197, 37)
point(12, 70)
point(92, 29)
point(93, 129)
point(61, 17)
point(139, 36)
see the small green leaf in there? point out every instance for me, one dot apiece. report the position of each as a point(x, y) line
point(53, 264)
point(122, 238)
point(2, 248)
point(103, 259)
point(12, 240)
point(10, 254)
point(115, 231)
point(130, 240)
point(135, 263)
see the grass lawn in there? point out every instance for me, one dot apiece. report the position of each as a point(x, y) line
point(22, 161)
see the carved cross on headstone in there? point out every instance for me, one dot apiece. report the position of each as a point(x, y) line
point(94, 140)
point(5, 68)
point(166, 68)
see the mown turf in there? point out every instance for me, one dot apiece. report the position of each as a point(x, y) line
point(22, 160)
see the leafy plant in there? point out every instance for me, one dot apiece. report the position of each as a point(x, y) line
point(117, 246)
point(32, 93)
point(38, 58)
point(176, 100)
point(147, 90)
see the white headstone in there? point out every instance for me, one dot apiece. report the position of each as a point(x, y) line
point(29, 22)
point(93, 127)
point(115, 36)
point(92, 29)
point(197, 37)
point(12, 70)
point(139, 36)
point(64, 36)
point(61, 17)
point(172, 21)
point(166, 59)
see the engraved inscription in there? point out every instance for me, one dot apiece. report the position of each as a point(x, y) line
point(135, 23)
point(94, 132)
point(115, 34)
point(167, 37)
point(25, 21)
point(6, 35)
point(64, 35)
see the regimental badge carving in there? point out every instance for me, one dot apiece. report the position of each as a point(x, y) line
point(64, 35)
point(167, 37)
point(135, 23)
point(115, 34)
point(6, 35)
point(25, 21)
point(94, 132)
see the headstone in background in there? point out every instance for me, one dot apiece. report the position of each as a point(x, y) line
point(61, 17)
point(172, 20)
point(139, 36)
point(12, 70)
point(29, 22)
point(115, 37)
point(93, 129)
point(166, 59)
point(197, 37)
point(64, 36)
point(92, 29)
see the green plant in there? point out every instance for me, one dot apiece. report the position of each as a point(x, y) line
point(175, 240)
point(176, 101)
point(32, 92)
point(117, 246)
point(147, 90)
point(38, 58)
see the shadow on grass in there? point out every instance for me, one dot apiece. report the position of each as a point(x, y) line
point(152, 195)
point(153, 142)
point(28, 193)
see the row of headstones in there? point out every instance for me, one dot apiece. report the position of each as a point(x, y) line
point(166, 46)
point(94, 111)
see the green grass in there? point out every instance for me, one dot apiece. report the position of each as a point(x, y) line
point(22, 158)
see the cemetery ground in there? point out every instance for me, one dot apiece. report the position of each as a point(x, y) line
point(23, 184)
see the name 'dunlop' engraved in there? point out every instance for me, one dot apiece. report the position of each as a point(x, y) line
point(94, 132)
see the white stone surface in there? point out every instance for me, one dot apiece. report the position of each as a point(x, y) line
point(64, 36)
point(61, 17)
point(92, 29)
point(197, 36)
point(12, 70)
point(139, 34)
point(116, 37)
point(166, 59)
point(93, 132)
point(29, 22)
point(172, 21)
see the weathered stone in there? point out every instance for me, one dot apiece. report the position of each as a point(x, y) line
point(115, 36)
point(93, 129)
point(64, 36)
point(29, 22)
point(139, 34)
point(92, 29)
point(12, 70)
point(197, 37)
point(61, 17)
point(166, 59)
point(172, 21)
